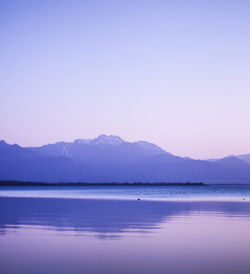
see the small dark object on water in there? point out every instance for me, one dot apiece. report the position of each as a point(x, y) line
point(243, 199)
point(138, 199)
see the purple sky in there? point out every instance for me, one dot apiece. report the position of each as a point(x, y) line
point(175, 73)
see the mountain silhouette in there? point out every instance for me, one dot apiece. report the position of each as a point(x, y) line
point(111, 159)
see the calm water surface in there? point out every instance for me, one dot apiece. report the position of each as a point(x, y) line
point(162, 193)
point(187, 235)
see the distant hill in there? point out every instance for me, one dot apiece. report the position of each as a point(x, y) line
point(111, 159)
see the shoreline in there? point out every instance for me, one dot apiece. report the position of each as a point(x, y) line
point(29, 183)
point(126, 199)
point(4, 183)
point(129, 200)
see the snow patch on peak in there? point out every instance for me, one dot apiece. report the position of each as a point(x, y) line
point(110, 140)
point(63, 148)
point(150, 147)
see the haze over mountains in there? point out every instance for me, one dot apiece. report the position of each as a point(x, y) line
point(111, 159)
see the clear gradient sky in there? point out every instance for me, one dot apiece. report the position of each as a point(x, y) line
point(175, 73)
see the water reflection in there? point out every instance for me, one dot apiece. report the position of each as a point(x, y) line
point(105, 218)
point(48, 235)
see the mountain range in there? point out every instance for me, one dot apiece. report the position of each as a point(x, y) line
point(111, 159)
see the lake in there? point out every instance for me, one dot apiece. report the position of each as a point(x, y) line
point(107, 230)
point(156, 193)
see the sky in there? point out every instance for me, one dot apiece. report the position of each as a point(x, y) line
point(175, 73)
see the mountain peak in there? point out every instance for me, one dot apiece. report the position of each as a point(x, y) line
point(101, 139)
point(108, 139)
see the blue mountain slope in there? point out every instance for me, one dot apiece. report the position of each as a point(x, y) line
point(111, 159)
point(245, 157)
